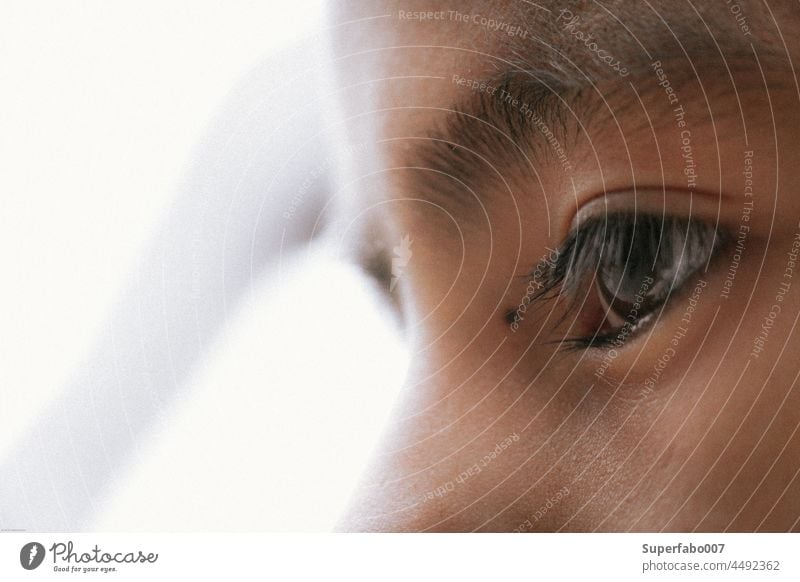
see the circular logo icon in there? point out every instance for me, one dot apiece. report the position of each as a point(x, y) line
point(31, 555)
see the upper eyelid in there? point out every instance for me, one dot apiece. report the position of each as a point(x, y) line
point(591, 225)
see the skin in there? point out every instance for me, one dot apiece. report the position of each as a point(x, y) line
point(714, 444)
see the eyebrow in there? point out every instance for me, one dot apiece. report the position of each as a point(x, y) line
point(559, 87)
point(530, 119)
point(514, 121)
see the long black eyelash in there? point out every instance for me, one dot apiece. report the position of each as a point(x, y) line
point(674, 247)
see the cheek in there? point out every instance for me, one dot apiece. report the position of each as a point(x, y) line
point(672, 433)
point(570, 439)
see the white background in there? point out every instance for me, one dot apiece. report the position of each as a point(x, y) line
point(101, 107)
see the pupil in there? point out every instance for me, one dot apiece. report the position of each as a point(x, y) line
point(627, 279)
point(629, 295)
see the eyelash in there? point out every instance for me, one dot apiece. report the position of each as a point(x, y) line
point(667, 250)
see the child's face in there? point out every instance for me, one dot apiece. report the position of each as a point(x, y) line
point(674, 403)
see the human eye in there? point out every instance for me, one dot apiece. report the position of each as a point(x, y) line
point(615, 272)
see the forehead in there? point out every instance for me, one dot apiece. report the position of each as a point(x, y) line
point(392, 55)
point(605, 67)
point(560, 37)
